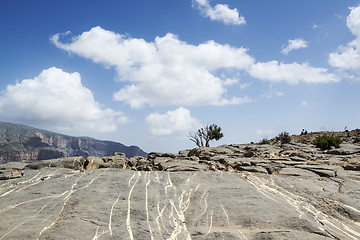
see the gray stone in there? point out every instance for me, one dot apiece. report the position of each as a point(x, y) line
point(300, 192)
point(121, 204)
point(297, 172)
point(93, 163)
point(76, 163)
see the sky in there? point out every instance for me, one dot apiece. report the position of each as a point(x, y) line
point(149, 72)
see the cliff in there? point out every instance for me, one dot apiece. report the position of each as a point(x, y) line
point(27, 144)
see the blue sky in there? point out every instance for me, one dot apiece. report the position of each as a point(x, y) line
point(147, 73)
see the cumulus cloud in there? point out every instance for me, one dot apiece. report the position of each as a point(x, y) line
point(57, 100)
point(293, 73)
point(171, 72)
point(173, 123)
point(164, 72)
point(221, 12)
point(293, 45)
point(348, 57)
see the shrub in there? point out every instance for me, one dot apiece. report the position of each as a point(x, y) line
point(283, 138)
point(264, 141)
point(326, 142)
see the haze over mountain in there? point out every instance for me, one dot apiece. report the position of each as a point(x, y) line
point(26, 144)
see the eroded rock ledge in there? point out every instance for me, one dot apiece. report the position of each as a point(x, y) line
point(292, 159)
point(242, 192)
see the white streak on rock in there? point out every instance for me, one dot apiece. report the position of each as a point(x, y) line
point(128, 223)
point(131, 179)
point(92, 180)
point(303, 205)
point(210, 227)
point(147, 204)
point(32, 200)
point(29, 218)
point(169, 184)
point(63, 207)
point(97, 235)
point(111, 213)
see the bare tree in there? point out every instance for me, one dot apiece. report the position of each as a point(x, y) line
point(205, 134)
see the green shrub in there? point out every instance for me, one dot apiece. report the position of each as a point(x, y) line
point(326, 142)
point(283, 138)
point(264, 141)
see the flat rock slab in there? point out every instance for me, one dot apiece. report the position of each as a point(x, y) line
point(59, 203)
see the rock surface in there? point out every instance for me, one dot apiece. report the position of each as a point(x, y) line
point(291, 192)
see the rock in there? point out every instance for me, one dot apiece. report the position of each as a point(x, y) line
point(76, 163)
point(352, 167)
point(249, 154)
point(120, 154)
point(345, 149)
point(118, 204)
point(297, 172)
point(118, 161)
point(12, 170)
point(13, 166)
point(299, 159)
point(205, 193)
point(166, 164)
point(93, 163)
point(321, 170)
point(154, 155)
point(141, 163)
point(257, 169)
point(10, 174)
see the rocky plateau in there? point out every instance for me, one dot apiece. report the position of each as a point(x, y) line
point(237, 191)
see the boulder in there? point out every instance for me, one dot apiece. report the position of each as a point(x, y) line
point(76, 163)
point(93, 163)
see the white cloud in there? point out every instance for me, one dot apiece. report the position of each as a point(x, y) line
point(58, 100)
point(293, 73)
point(267, 132)
point(272, 93)
point(304, 104)
point(294, 44)
point(164, 72)
point(244, 85)
point(171, 72)
point(230, 81)
point(221, 12)
point(348, 57)
point(173, 123)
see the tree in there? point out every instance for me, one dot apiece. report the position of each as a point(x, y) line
point(205, 134)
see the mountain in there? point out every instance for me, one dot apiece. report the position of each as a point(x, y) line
point(26, 144)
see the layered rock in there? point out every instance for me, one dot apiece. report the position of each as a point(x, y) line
point(229, 192)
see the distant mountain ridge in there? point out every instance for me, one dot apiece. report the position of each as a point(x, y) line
point(22, 143)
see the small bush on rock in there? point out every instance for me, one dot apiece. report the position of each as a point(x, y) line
point(326, 142)
point(283, 138)
point(264, 141)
